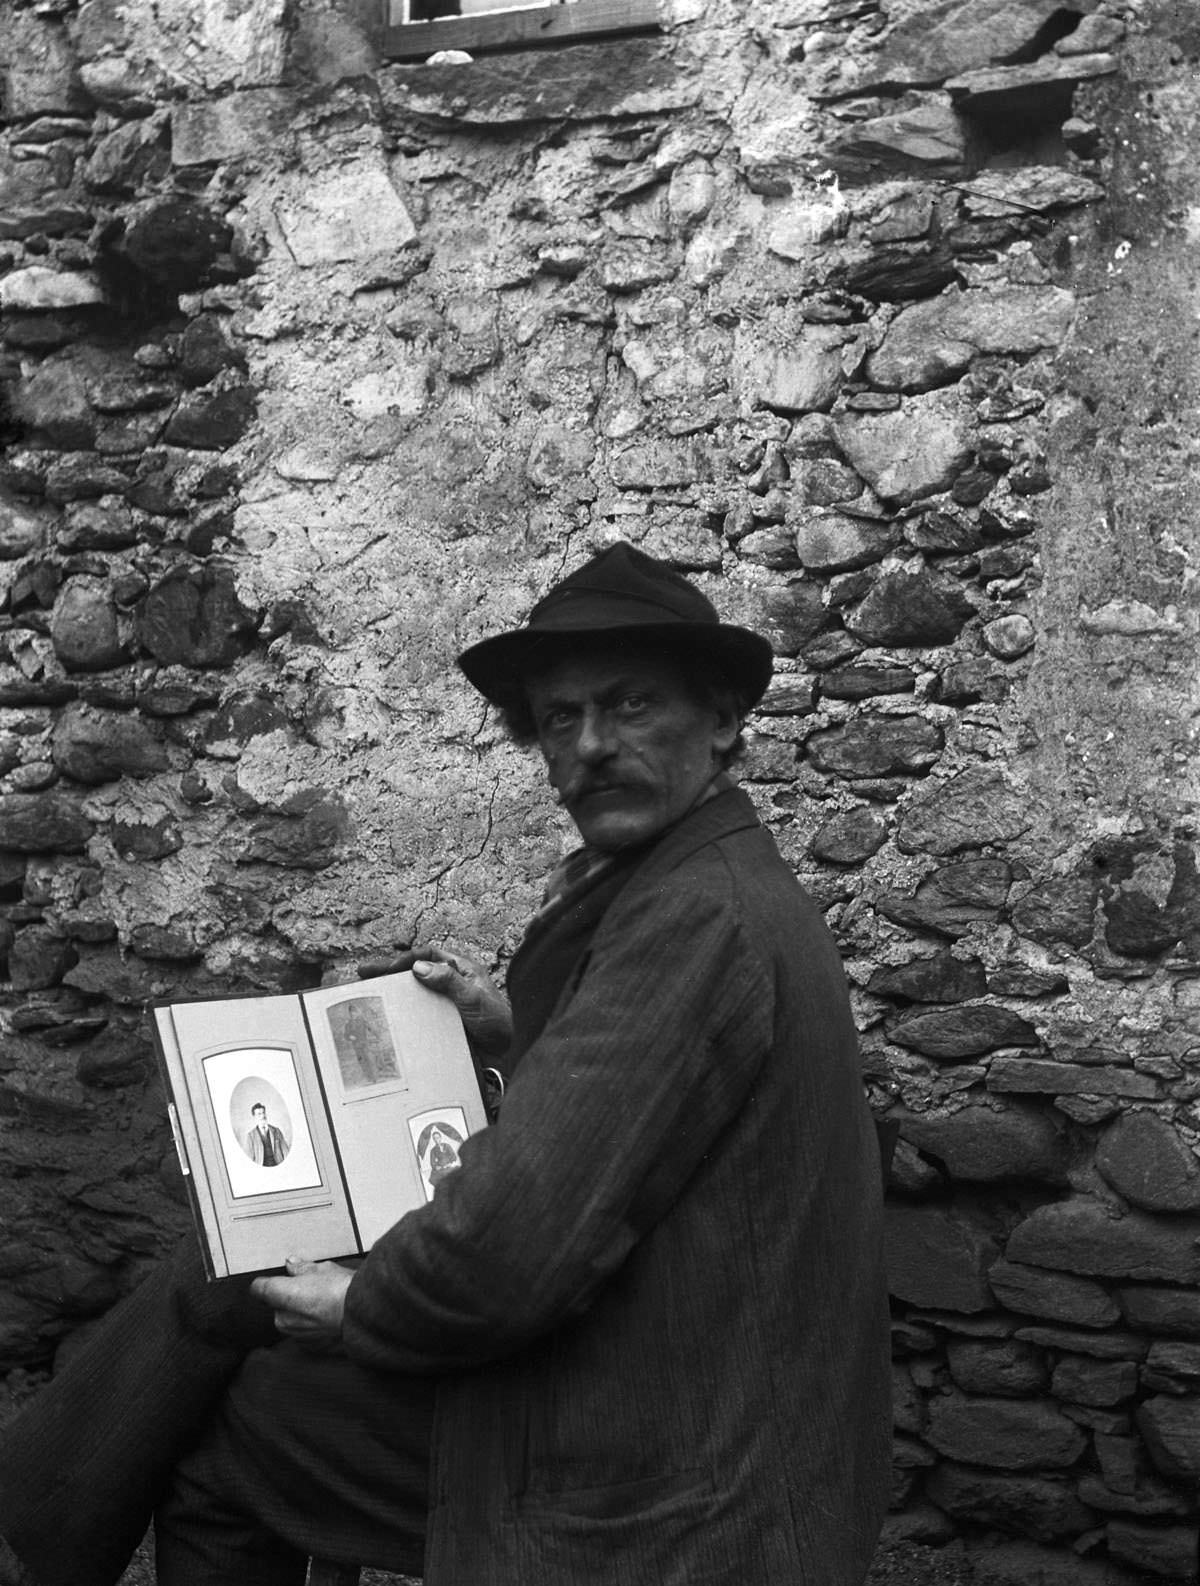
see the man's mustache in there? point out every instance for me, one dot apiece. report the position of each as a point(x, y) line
point(584, 786)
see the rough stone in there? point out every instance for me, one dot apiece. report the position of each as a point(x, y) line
point(39, 287)
point(35, 823)
point(1008, 1369)
point(849, 838)
point(999, 195)
point(967, 1030)
point(22, 529)
point(804, 377)
point(655, 465)
point(1018, 90)
point(1171, 1429)
point(1146, 1160)
point(956, 36)
point(979, 1144)
point(953, 898)
point(792, 616)
point(342, 215)
point(1168, 1550)
point(1081, 1380)
point(929, 140)
point(1172, 1368)
point(1057, 1296)
point(910, 609)
point(1058, 912)
point(308, 842)
point(934, 342)
point(1160, 1310)
point(1082, 1235)
point(102, 746)
point(942, 978)
point(205, 131)
point(866, 682)
point(829, 542)
point(1008, 638)
point(1003, 1434)
point(876, 746)
point(1035, 1076)
point(38, 958)
point(975, 808)
point(84, 628)
point(100, 525)
point(132, 154)
point(193, 616)
point(912, 452)
point(173, 242)
point(213, 417)
point(937, 1256)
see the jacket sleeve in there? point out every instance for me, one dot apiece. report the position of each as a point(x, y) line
point(610, 1112)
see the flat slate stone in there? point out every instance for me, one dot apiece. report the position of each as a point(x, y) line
point(876, 746)
point(966, 1030)
point(910, 609)
point(980, 1144)
point(1003, 1434)
point(938, 1257)
point(956, 36)
point(1035, 1076)
point(35, 823)
point(934, 342)
point(1033, 1506)
point(1171, 1429)
point(1162, 1310)
point(850, 837)
point(953, 898)
point(1080, 1235)
point(1057, 1296)
point(928, 140)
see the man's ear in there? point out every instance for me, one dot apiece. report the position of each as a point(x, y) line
point(728, 725)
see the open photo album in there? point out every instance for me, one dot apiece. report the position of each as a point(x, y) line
point(308, 1124)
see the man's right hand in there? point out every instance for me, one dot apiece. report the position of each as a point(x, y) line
point(484, 1010)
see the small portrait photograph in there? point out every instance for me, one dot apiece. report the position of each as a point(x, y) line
point(437, 1139)
point(363, 1042)
point(260, 1119)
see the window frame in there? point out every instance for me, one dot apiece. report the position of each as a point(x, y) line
point(552, 22)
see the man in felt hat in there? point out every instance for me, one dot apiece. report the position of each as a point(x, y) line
point(639, 1336)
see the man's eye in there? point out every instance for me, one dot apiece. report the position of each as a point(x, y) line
point(632, 703)
point(556, 721)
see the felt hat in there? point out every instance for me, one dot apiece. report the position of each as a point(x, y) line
point(627, 596)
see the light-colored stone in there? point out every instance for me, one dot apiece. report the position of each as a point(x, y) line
point(40, 287)
point(912, 452)
point(343, 215)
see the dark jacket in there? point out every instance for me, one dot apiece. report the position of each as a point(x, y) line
point(665, 1256)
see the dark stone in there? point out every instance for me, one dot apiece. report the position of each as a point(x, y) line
point(1058, 912)
point(103, 525)
point(927, 140)
point(1138, 927)
point(972, 486)
point(114, 1059)
point(1022, 980)
point(953, 898)
point(1034, 1506)
point(84, 628)
point(829, 650)
point(127, 392)
point(213, 417)
point(171, 241)
point(38, 958)
point(1003, 1434)
point(864, 682)
point(1160, 1310)
point(850, 837)
point(309, 842)
point(205, 350)
point(164, 941)
point(1033, 1076)
point(1057, 1296)
point(239, 721)
point(103, 746)
point(1146, 1160)
point(910, 609)
point(1147, 1497)
point(787, 695)
point(35, 823)
point(176, 692)
point(937, 1256)
point(1005, 1369)
point(944, 533)
point(193, 616)
point(1163, 1550)
point(899, 275)
point(153, 839)
point(970, 682)
point(955, 36)
point(1172, 1368)
point(877, 746)
point(971, 810)
point(79, 476)
point(792, 616)
point(1081, 1380)
point(1171, 1429)
point(134, 153)
point(1083, 1235)
point(942, 978)
point(979, 1144)
point(967, 1030)
point(832, 542)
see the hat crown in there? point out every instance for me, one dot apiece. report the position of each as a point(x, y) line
point(619, 575)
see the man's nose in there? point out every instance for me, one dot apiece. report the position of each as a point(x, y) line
point(596, 739)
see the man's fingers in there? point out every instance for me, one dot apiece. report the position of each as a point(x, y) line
point(386, 964)
point(438, 977)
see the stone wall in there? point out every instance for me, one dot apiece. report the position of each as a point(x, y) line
point(878, 319)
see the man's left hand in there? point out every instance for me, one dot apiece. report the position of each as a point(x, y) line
point(308, 1302)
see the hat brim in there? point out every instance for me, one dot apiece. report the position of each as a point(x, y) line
point(500, 667)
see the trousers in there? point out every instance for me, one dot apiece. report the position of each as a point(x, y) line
point(248, 1451)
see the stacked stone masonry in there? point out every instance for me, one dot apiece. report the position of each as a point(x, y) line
point(878, 319)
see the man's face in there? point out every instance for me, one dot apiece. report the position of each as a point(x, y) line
point(627, 745)
point(260, 1117)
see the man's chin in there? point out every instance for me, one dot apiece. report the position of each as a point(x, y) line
point(604, 824)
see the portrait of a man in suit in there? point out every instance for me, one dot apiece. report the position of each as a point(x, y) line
point(264, 1143)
